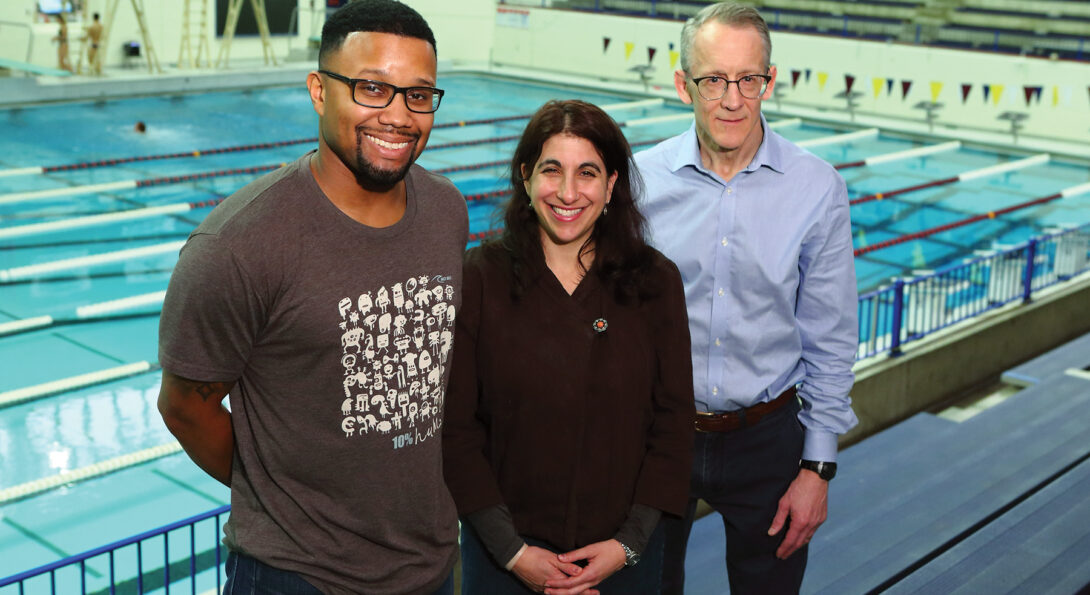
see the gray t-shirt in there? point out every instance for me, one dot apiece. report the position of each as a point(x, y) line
point(339, 336)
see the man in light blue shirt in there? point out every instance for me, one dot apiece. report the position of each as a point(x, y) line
point(760, 231)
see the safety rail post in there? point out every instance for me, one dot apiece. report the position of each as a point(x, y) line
point(1027, 281)
point(898, 314)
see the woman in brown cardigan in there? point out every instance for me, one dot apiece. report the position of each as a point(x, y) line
point(568, 425)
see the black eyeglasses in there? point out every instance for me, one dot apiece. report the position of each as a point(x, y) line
point(377, 94)
point(714, 87)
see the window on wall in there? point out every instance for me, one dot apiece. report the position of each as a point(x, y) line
point(278, 12)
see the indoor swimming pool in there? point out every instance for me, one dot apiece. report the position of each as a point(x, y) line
point(87, 247)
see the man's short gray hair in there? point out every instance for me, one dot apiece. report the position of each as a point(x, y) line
point(726, 13)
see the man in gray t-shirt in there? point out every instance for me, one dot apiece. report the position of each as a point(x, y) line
point(321, 300)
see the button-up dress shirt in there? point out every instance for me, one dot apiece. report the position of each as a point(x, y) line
point(767, 263)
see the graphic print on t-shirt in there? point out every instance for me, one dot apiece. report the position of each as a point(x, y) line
point(395, 343)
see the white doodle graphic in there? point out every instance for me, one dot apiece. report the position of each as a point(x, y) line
point(395, 344)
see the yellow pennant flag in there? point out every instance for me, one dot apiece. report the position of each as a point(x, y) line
point(1055, 95)
point(936, 88)
point(878, 84)
point(823, 77)
point(997, 92)
point(674, 55)
point(628, 47)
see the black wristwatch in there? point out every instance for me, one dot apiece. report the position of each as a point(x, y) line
point(631, 556)
point(826, 471)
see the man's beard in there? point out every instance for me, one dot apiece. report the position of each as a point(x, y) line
point(373, 179)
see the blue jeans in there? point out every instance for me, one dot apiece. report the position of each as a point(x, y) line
point(249, 576)
point(481, 575)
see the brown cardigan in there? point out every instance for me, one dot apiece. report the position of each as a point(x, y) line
point(567, 426)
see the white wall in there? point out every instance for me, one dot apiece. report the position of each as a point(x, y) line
point(463, 28)
point(573, 43)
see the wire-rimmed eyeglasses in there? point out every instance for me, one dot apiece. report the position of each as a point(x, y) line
point(377, 94)
point(714, 87)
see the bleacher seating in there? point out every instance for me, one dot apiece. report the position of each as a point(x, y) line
point(1047, 28)
point(930, 504)
point(1074, 354)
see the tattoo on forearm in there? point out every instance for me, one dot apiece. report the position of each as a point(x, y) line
point(208, 389)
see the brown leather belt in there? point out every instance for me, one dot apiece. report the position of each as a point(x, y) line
point(736, 420)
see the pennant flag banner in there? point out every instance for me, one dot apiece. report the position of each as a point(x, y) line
point(1027, 91)
point(628, 47)
point(889, 86)
point(605, 44)
point(650, 54)
point(878, 83)
point(807, 72)
point(1037, 93)
point(671, 46)
point(674, 56)
point(987, 92)
point(997, 93)
point(965, 88)
point(823, 77)
point(795, 78)
point(1055, 95)
point(905, 86)
point(849, 80)
point(936, 89)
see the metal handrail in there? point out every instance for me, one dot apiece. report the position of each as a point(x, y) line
point(109, 548)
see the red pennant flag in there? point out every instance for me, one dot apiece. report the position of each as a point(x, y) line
point(605, 44)
point(795, 78)
point(849, 80)
point(1027, 91)
point(650, 54)
point(965, 88)
point(905, 86)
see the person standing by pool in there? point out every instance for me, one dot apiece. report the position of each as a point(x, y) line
point(568, 431)
point(62, 45)
point(94, 37)
point(760, 231)
point(307, 297)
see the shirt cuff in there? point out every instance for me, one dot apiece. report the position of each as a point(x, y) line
point(637, 528)
point(515, 559)
point(819, 446)
point(497, 533)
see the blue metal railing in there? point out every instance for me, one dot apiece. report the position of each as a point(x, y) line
point(909, 309)
point(193, 560)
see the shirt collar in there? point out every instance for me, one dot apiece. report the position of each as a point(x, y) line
point(769, 154)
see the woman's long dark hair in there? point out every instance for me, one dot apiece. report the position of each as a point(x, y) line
point(621, 255)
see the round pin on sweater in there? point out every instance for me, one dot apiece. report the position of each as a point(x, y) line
point(600, 325)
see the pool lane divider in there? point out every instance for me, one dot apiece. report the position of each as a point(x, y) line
point(838, 139)
point(125, 461)
point(1067, 192)
point(975, 174)
point(30, 271)
point(900, 155)
point(21, 171)
point(84, 313)
point(54, 387)
point(104, 218)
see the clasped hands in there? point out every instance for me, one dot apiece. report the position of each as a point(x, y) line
point(558, 574)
